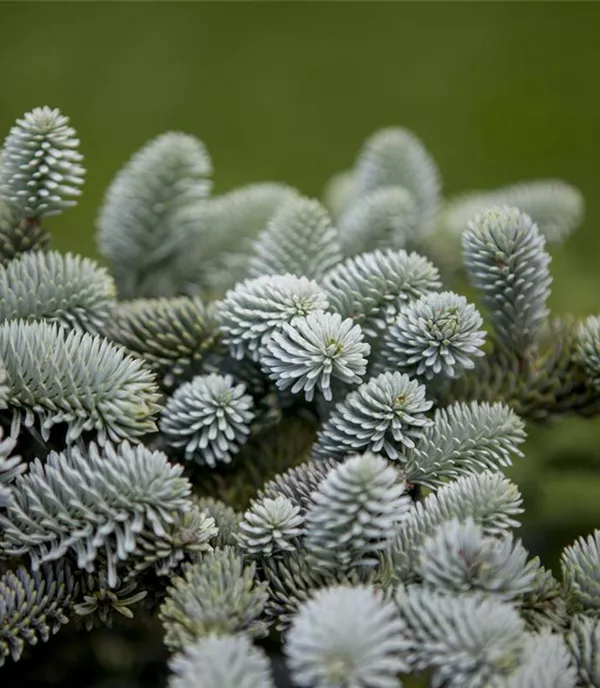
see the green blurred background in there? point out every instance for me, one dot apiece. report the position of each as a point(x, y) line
point(288, 91)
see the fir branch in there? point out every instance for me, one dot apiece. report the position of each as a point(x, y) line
point(506, 260)
point(209, 418)
point(11, 466)
point(216, 595)
point(385, 414)
point(314, 351)
point(556, 207)
point(372, 287)
point(548, 383)
point(396, 157)
point(298, 240)
point(354, 514)
point(490, 499)
point(465, 640)
point(76, 378)
point(465, 438)
point(250, 313)
point(33, 606)
point(438, 335)
point(73, 291)
point(139, 231)
point(459, 558)
point(382, 218)
point(546, 663)
point(346, 637)
point(587, 349)
point(584, 644)
point(270, 527)
point(580, 563)
point(177, 337)
point(221, 662)
point(41, 168)
point(222, 234)
point(93, 503)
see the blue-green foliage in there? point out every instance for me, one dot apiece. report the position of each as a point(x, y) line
point(269, 413)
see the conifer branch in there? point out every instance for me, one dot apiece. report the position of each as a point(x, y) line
point(382, 218)
point(506, 260)
point(217, 595)
point(556, 207)
point(92, 504)
point(371, 288)
point(73, 291)
point(298, 240)
point(33, 606)
point(465, 438)
point(177, 337)
point(228, 661)
point(396, 157)
point(346, 636)
point(139, 230)
point(78, 379)
point(41, 168)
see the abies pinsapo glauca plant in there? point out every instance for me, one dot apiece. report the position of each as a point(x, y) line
point(271, 427)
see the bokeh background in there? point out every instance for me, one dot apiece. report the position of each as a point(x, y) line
point(499, 93)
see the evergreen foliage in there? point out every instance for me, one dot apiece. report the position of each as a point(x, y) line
point(216, 595)
point(41, 168)
point(270, 420)
point(223, 232)
point(584, 643)
point(581, 573)
point(11, 466)
point(395, 157)
point(506, 260)
point(70, 290)
point(314, 351)
point(379, 219)
point(221, 662)
point(346, 636)
point(139, 230)
point(92, 503)
point(177, 337)
point(588, 348)
point(372, 287)
point(465, 438)
point(485, 643)
point(209, 417)
point(270, 526)
point(554, 206)
point(385, 414)
point(32, 607)
point(94, 386)
point(355, 512)
point(298, 240)
point(437, 335)
point(250, 313)
point(458, 557)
